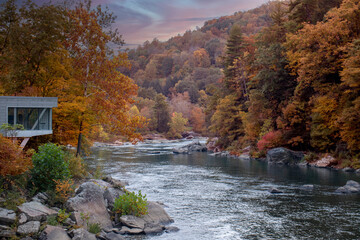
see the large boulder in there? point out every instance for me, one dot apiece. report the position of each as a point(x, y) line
point(110, 194)
point(326, 161)
point(54, 233)
point(195, 146)
point(156, 215)
point(36, 211)
point(284, 156)
point(350, 187)
point(7, 217)
point(29, 228)
point(89, 201)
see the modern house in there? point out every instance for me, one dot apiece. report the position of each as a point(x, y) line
point(33, 113)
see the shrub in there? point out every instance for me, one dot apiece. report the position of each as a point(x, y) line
point(76, 165)
point(131, 203)
point(62, 216)
point(64, 189)
point(49, 165)
point(94, 228)
point(51, 220)
point(12, 159)
point(270, 140)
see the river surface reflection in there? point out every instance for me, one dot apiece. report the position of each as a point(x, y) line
point(224, 198)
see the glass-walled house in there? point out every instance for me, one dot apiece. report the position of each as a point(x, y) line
point(33, 113)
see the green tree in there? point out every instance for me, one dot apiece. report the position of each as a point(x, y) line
point(161, 116)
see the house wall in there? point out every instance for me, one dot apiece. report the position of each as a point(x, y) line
point(26, 102)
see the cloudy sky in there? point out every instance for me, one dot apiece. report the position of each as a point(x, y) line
point(141, 20)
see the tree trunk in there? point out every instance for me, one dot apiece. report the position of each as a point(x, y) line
point(78, 150)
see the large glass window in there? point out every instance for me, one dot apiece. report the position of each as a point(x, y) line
point(11, 116)
point(31, 118)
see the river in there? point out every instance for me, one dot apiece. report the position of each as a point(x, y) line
point(225, 198)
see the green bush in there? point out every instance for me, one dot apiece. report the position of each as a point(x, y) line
point(49, 165)
point(131, 203)
point(94, 228)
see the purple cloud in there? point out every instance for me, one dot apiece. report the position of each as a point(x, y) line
point(141, 20)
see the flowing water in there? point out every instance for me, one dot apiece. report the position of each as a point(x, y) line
point(225, 198)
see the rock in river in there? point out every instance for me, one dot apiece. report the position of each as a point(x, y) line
point(284, 156)
point(350, 187)
point(195, 146)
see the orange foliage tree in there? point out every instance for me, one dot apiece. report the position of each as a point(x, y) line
point(96, 93)
point(12, 159)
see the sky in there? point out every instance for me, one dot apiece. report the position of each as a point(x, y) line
point(141, 20)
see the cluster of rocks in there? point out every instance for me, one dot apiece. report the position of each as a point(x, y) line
point(92, 204)
point(195, 146)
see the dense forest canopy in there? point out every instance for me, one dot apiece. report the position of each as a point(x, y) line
point(283, 74)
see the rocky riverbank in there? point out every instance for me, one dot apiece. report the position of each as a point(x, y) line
point(92, 206)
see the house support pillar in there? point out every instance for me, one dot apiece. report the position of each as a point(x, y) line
point(24, 142)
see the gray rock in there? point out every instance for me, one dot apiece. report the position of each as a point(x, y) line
point(27, 238)
point(82, 234)
point(180, 151)
point(115, 182)
point(54, 233)
point(357, 171)
point(307, 187)
point(346, 190)
point(156, 215)
point(89, 200)
point(29, 228)
point(156, 229)
point(131, 231)
point(171, 229)
point(69, 222)
point(195, 146)
point(113, 236)
point(22, 218)
point(41, 198)
point(341, 190)
point(132, 221)
point(354, 184)
point(284, 156)
point(274, 190)
point(3, 227)
point(7, 233)
point(102, 184)
point(36, 211)
point(7, 216)
point(350, 187)
point(111, 194)
point(348, 169)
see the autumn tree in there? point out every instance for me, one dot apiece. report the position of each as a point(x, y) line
point(98, 92)
point(31, 52)
point(177, 125)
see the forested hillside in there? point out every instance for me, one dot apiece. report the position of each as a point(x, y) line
point(284, 74)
